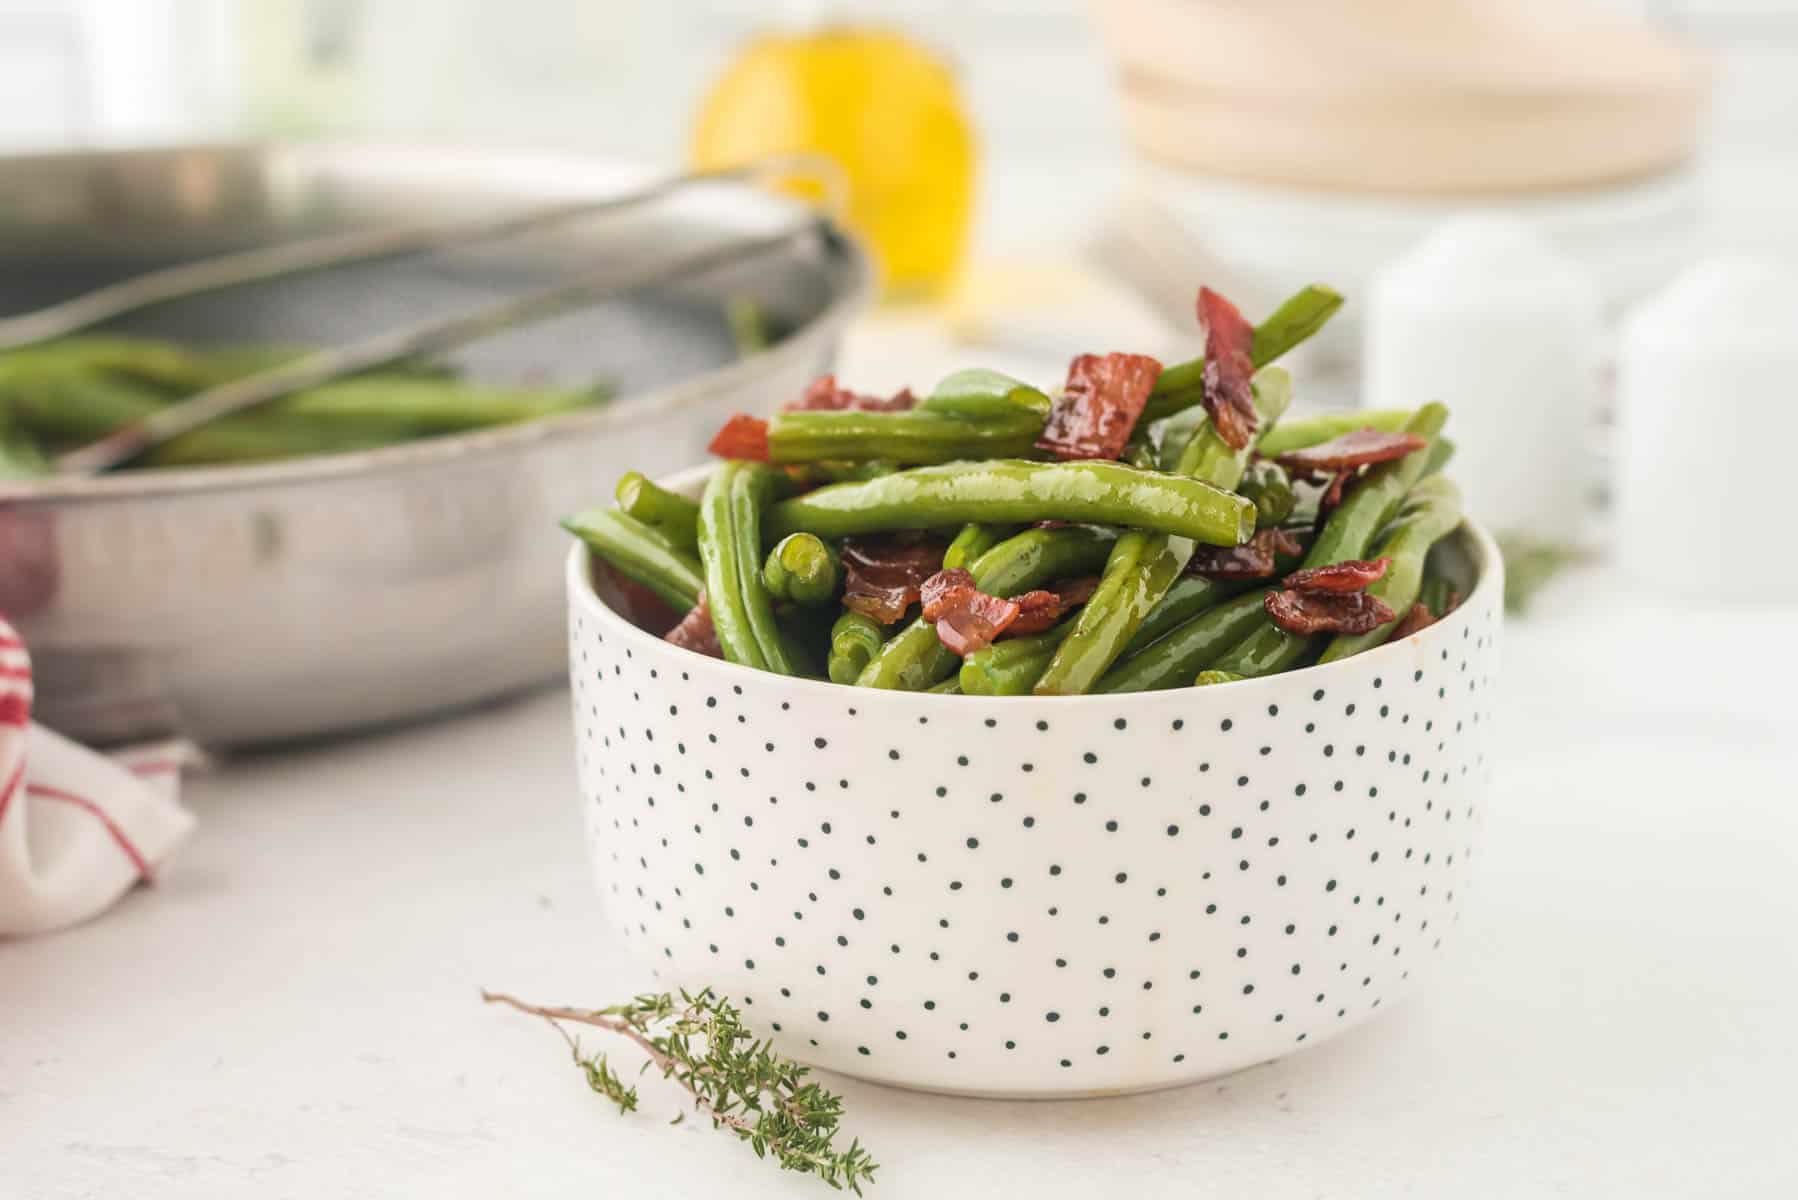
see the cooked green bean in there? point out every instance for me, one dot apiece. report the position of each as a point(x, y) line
point(1347, 534)
point(1212, 678)
point(751, 488)
point(1104, 493)
point(1144, 565)
point(1435, 594)
point(803, 570)
point(659, 508)
point(1301, 432)
point(973, 540)
point(911, 437)
point(1270, 489)
point(1011, 667)
point(719, 550)
point(1431, 512)
point(915, 658)
point(979, 394)
point(640, 553)
point(1301, 315)
point(854, 641)
point(1172, 660)
point(948, 687)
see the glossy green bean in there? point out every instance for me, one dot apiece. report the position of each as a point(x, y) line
point(1104, 493)
point(1435, 593)
point(979, 394)
point(1348, 533)
point(659, 508)
point(802, 569)
point(641, 553)
point(751, 489)
point(1144, 565)
point(1172, 660)
point(948, 687)
point(1270, 489)
point(1011, 667)
point(854, 641)
point(1213, 678)
point(973, 540)
point(915, 658)
point(720, 551)
point(1301, 315)
point(1430, 513)
point(1300, 432)
point(913, 437)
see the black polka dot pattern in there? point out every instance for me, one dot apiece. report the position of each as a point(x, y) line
point(1012, 896)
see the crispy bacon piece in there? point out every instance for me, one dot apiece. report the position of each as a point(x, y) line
point(1418, 617)
point(695, 632)
point(1228, 397)
point(1040, 609)
point(966, 617)
point(1255, 559)
point(882, 576)
point(1352, 575)
point(1358, 448)
point(824, 395)
point(1306, 613)
point(1097, 409)
point(743, 436)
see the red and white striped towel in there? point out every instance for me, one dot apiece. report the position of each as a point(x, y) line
point(78, 829)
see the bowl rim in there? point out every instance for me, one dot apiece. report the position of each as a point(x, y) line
point(1487, 560)
point(630, 409)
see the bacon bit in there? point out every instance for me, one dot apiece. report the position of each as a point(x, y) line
point(1229, 397)
point(1419, 617)
point(695, 632)
point(744, 437)
point(1256, 558)
point(1097, 409)
point(882, 576)
point(1040, 609)
point(1358, 448)
point(1352, 575)
point(824, 395)
point(630, 599)
point(967, 618)
point(1306, 613)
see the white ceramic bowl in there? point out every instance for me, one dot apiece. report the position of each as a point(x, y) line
point(1038, 896)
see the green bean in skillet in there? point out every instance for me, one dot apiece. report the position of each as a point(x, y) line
point(1144, 565)
point(802, 569)
point(1431, 512)
point(1011, 667)
point(912, 437)
point(1348, 533)
point(659, 508)
point(973, 540)
point(980, 394)
point(641, 553)
point(1171, 660)
point(914, 659)
point(1103, 493)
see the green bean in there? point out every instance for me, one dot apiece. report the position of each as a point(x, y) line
point(854, 641)
point(1435, 593)
point(1267, 485)
point(1172, 660)
point(659, 508)
point(948, 687)
point(1301, 432)
point(1193, 594)
point(719, 550)
point(1144, 565)
point(912, 437)
point(973, 540)
point(1105, 493)
point(980, 394)
point(748, 325)
point(408, 408)
point(1212, 678)
point(798, 477)
point(640, 553)
point(71, 404)
point(1301, 315)
point(915, 658)
point(1370, 505)
point(803, 570)
point(1437, 456)
point(1175, 434)
point(1431, 512)
point(1011, 667)
point(752, 487)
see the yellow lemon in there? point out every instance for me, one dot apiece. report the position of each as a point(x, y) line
point(885, 110)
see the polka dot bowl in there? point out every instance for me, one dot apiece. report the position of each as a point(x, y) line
point(1039, 896)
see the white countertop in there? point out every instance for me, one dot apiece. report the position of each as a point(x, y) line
point(292, 1011)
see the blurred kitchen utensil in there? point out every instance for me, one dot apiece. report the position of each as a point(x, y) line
point(1485, 317)
point(1705, 405)
point(250, 604)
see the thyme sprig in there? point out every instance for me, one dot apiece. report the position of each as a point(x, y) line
point(698, 1041)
